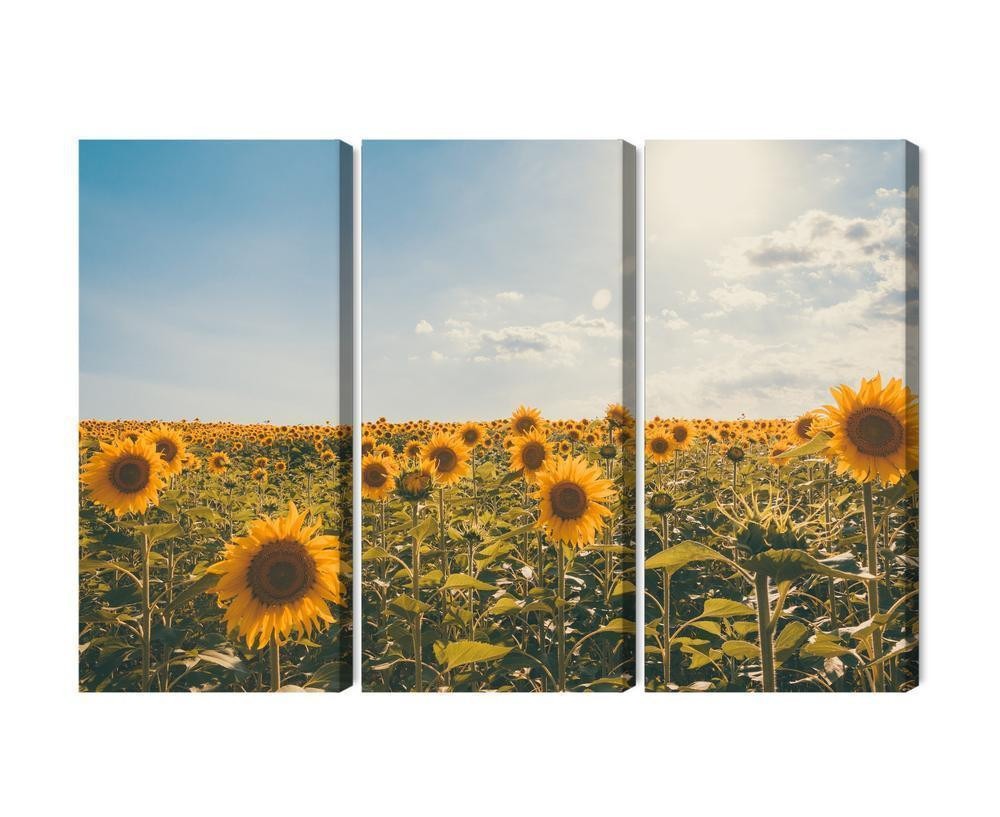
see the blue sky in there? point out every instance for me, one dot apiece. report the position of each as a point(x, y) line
point(209, 280)
point(492, 277)
point(774, 270)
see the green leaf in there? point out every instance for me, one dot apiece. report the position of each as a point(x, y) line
point(618, 625)
point(792, 636)
point(741, 650)
point(825, 645)
point(814, 446)
point(674, 558)
point(504, 605)
point(462, 581)
point(202, 585)
point(724, 608)
point(408, 604)
point(459, 653)
point(789, 565)
point(374, 554)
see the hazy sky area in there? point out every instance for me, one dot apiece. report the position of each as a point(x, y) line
point(492, 277)
point(774, 270)
point(209, 280)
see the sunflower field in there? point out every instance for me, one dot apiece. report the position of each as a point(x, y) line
point(214, 557)
point(783, 555)
point(499, 555)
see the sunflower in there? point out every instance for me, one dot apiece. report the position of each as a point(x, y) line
point(681, 432)
point(471, 434)
point(524, 419)
point(326, 456)
point(124, 477)
point(416, 485)
point(258, 475)
point(802, 430)
point(377, 477)
point(280, 466)
point(875, 430)
point(449, 456)
point(530, 453)
point(660, 444)
point(170, 446)
point(570, 493)
point(618, 415)
point(279, 578)
point(218, 462)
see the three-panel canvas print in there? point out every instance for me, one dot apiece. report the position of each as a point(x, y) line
point(527, 523)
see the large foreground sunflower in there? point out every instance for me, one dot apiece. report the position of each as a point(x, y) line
point(279, 579)
point(570, 493)
point(875, 430)
point(125, 476)
point(449, 456)
point(170, 446)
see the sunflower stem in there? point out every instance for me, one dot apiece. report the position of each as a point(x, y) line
point(147, 611)
point(666, 607)
point(274, 654)
point(561, 615)
point(418, 664)
point(878, 676)
point(768, 683)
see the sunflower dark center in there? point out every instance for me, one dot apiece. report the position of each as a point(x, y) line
point(130, 474)
point(659, 445)
point(533, 455)
point(803, 426)
point(569, 500)
point(166, 449)
point(376, 475)
point(524, 424)
point(736, 453)
point(874, 431)
point(680, 433)
point(470, 436)
point(281, 573)
point(445, 459)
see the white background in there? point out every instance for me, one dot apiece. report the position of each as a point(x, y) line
point(522, 70)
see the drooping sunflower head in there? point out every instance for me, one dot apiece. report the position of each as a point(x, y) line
point(377, 477)
point(525, 419)
point(170, 446)
point(125, 476)
point(875, 430)
point(660, 444)
point(416, 485)
point(218, 462)
point(278, 579)
point(449, 456)
point(572, 496)
point(530, 453)
point(736, 453)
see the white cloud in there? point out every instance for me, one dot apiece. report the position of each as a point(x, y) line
point(437, 357)
point(601, 299)
point(424, 328)
point(672, 320)
point(553, 343)
point(510, 296)
point(888, 193)
point(737, 296)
